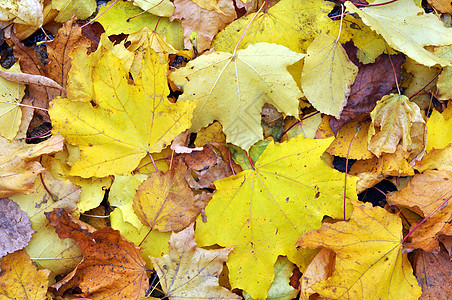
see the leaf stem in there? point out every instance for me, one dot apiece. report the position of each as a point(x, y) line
point(393, 68)
point(425, 219)
point(100, 15)
point(436, 76)
point(250, 160)
point(346, 167)
point(230, 161)
point(153, 162)
point(246, 29)
point(370, 5)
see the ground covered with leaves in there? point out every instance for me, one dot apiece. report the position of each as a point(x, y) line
point(226, 149)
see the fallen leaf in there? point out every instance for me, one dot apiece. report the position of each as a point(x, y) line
point(439, 159)
point(20, 279)
point(402, 24)
point(395, 120)
point(283, 24)
point(263, 211)
point(434, 273)
point(45, 247)
point(111, 265)
point(443, 6)
point(280, 288)
point(232, 88)
point(163, 8)
point(15, 229)
point(371, 84)
point(439, 131)
point(191, 272)
point(321, 268)
point(165, 201)
point(115, 21)
point(10, 112)
point(206, 23)
point(27, 12)
point(423, 194)
point(118, 149)
point(147, 38)
point(327, 64)
point(82, 9)
point(369, 259)
point(18, 173)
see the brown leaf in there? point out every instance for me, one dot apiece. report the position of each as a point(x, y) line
point(165, 201)
point(423, 194)
point(15, 227)
point(112, 267)
point(206, 23)
point(191, 272)
point(371, 84)
point(20, 279)
point(434, 273)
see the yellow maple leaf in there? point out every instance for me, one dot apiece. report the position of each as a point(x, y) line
point(327, 65)
point(395, 119)
point(233, 88)
point(262, 212)
point(125, 122)
point(191, 272)
point(163, 8)
point(284, 24)
point(369, 259)
point(403, 25)
point(20, 279)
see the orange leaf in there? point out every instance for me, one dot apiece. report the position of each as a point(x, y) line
point(423, 194)
point(112, 267)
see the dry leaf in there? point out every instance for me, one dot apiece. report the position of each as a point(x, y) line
point(112, 267)
point(15, 227)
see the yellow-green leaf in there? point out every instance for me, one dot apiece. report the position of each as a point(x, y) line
point(327, 75)
point(82, 9)
point(232, 88)
point(263, 212)
point(404, 25)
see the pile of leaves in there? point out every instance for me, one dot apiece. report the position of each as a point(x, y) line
point(187, 149)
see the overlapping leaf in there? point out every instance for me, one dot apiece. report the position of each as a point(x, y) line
point(233, 88)
point(369, 259)
point(262, 212)
point(125, 121)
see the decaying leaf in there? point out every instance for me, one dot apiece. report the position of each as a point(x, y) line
point(15, 230)
point(327, 64)
point(18, 173)
point(395, 119)
point(232, 88)
point(165, 201)
point(423, 194)
point(191, 272)
point(27, 12)
point(45, 247)
point(206, 23)
point(320, 269)
point(263, 211)
point(434, 273)
point(20, 279)
point(111, 266)
point(369, 259)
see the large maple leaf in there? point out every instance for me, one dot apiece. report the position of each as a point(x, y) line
point(369, 259)
point(263, 212)
point(125, 121)
point(404, 25)
point(232, 88)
